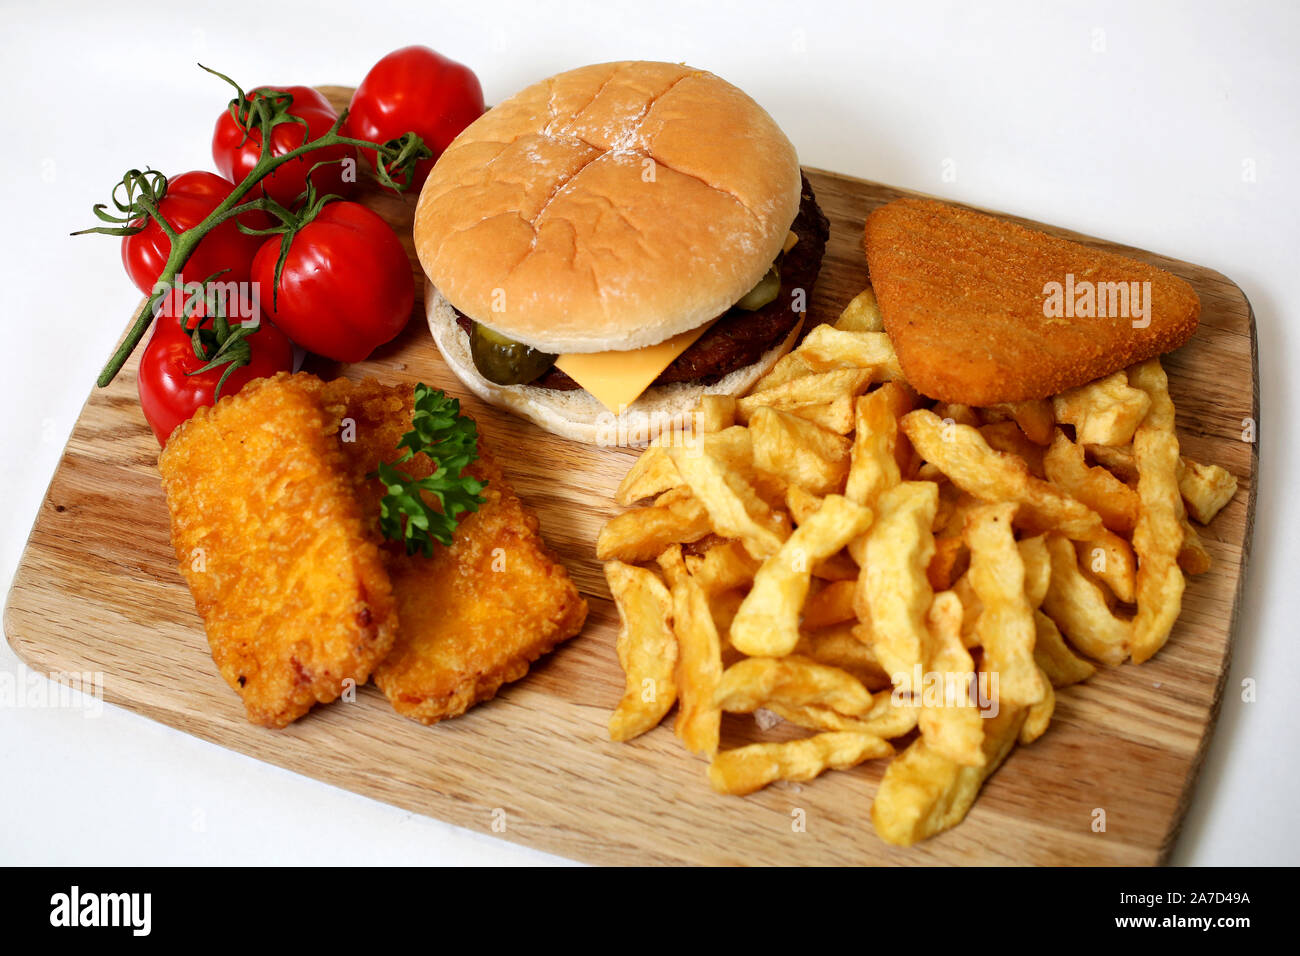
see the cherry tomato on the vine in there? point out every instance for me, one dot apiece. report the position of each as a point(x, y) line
point(415, 88)
point(346, 286)
point(190, 197)
point(171, 387)
point(236, 150)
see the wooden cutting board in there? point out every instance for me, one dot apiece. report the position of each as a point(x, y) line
point(97, 590)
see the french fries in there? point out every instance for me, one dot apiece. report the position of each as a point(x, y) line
point(1105, 412)
point(699, 652)
point(1006, 623)
point(1158, 534)
point(647, 649)
point(965, 457)
point(1096, 487)
point(768, 621)
point(790, 682)
point(1078, 606)
point(734, 507)
point(924, 792)
point(950, 723)
point(893, 591)
point(746, 769)
point(858, 562)
point(799, 451)
point(643, 535)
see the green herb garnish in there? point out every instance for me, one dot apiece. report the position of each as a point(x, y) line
point(448, 439)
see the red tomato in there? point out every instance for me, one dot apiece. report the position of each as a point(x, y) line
point(170, 395)
point(189, 199)
point(346, 287)
point(237, 150)
point(415, 88)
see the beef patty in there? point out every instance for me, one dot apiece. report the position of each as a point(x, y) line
point(739, 337)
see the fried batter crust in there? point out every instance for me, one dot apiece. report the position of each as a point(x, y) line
point(962, 297)
point(270, 537)
point(475, 615)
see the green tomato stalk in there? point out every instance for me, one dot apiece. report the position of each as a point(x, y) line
point(143, 191)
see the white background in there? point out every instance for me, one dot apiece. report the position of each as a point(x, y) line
point(1128, 121)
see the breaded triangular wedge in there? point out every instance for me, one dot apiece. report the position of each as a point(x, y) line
point(983, 311)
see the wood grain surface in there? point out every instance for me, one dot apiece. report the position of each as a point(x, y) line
point(97, 590)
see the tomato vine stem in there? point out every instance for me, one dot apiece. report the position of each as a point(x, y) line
point(397, 155)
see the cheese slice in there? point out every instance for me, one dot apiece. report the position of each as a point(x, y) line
point(617, 379)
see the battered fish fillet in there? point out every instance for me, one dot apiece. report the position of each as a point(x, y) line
point(962, 295)
point(271, 540)
point(475, 615)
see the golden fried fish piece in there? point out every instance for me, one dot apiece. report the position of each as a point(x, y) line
point(965, 299)
point(476, 614)
point(271, 539)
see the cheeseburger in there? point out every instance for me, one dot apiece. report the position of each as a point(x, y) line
point(610, 244)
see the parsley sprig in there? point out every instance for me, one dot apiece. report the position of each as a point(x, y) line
point(449, 440)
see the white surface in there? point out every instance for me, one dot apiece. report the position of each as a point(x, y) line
point(1143, 141)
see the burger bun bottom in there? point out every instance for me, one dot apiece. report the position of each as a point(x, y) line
point(577, 414)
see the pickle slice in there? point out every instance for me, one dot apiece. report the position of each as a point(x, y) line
point(502, 360)
point(767, 289)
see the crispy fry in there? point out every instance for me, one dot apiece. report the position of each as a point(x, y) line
point(1158, 534)
point(1035, 418)
point(793, 681)
point(734, 507)
point(746, 769)
point(723, 607)
point(768, 621)
point(1117, 459)
point(651, 474)
point(862, 314)
point(1111, 560)
point(787, 368)
point(805, 390)
point(874, 469)
point(1038, 568)
point(957, 414)
point(965, 457)
point(1007, 438)
point(923, 792)
point(799, 451)
point(1192, 556)
point(1104, 412)
point(1097, 488)
point(699, 658)
point(848, 647)
point(835, 416)
point(1078, 607)
point(971, 609)
point(952, 726)
point(830, 605)
point(716, 412)
point(654, 473)
point(643, 533)
point(801, 504)
point(1061, 665)
point(893, 592)
point(1006, 625)
point(951, 558)
point(826, 348)
point(1205, 489)
point(724, 566)
point(886, 719)
point(647, 649)
point(1039, 715)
